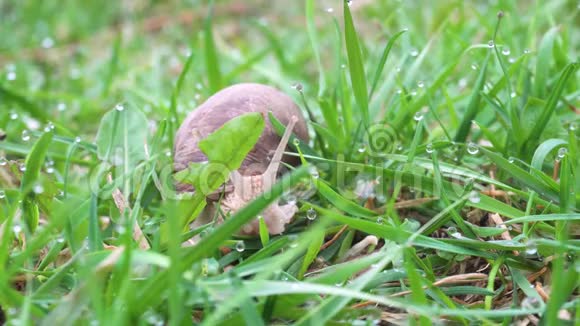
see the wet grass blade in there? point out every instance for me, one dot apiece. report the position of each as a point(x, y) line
point(212, 61)
point(383, 60)
point(473, 105)
point(355, 65)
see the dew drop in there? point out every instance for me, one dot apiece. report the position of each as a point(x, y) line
point(419, 116)
point(2, 194)
point(11, 75)
point(531, 248)
point(119, 107)
point(296, 142)
point(49, 127)
point(527, 51)
point(513, 94)
point(505, 51)
point(298, 87)
point(349, 2)
point(38, 189)
point(380, 220)
point(414, 52)
point(290, 199)
point(61, 107)
point(474, 197)
point(314, 173)
point(121, 229)
point(490, 44)
point(329, 10)
point(77, 139)
point(562, 152)
point(3, 161)
point(311, 214)
point(420, 84)
point(22, 167)
point(60, 240)
point(511, 159)
point(531, 302)
point(25, 135)
point(452, 232)
point(13, 116)
point(474, 66)
point(17, 228)
point(240, 246)
point(572, 126)
point(47, 43)
point(472, 148)
point(511, 60)
point(362, 148)
point(429, 148)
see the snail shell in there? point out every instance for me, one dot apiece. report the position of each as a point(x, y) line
point(226, 105)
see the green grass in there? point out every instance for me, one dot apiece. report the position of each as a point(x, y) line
point(431, 122)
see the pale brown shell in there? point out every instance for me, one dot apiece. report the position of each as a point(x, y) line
point(230, 103)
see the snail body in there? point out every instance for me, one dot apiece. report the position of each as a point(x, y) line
point(260, 167)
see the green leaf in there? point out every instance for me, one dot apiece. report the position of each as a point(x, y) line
point(231, 143)
point(34, 162)
point(355, 65)
point(122, 136)
point(311, 253)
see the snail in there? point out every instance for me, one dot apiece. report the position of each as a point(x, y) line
point(260, 167)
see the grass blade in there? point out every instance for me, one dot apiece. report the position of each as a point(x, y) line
point(355, 65)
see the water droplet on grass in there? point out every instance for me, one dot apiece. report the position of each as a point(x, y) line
point(25, 135)
point(562, 152)
point(47, 43)
point(11, 75)
point(119, 107)
point(13, 116)
point(77, 139)
point(2, 194)
point(298, 87)
point(474, 197)
point(61, 107)
point(240, 246)
point(311, 214)
point(429, 148)
point(362, 148)
point(414, 52)
point(314, 173)
point(418, 116)
point(17, 228)
point(420, 84)
point(505, 51)
point(472, 148)
point(490, 44)
point(296, 142)
point(329, 10)
point(38, 189)
point(3, 161)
